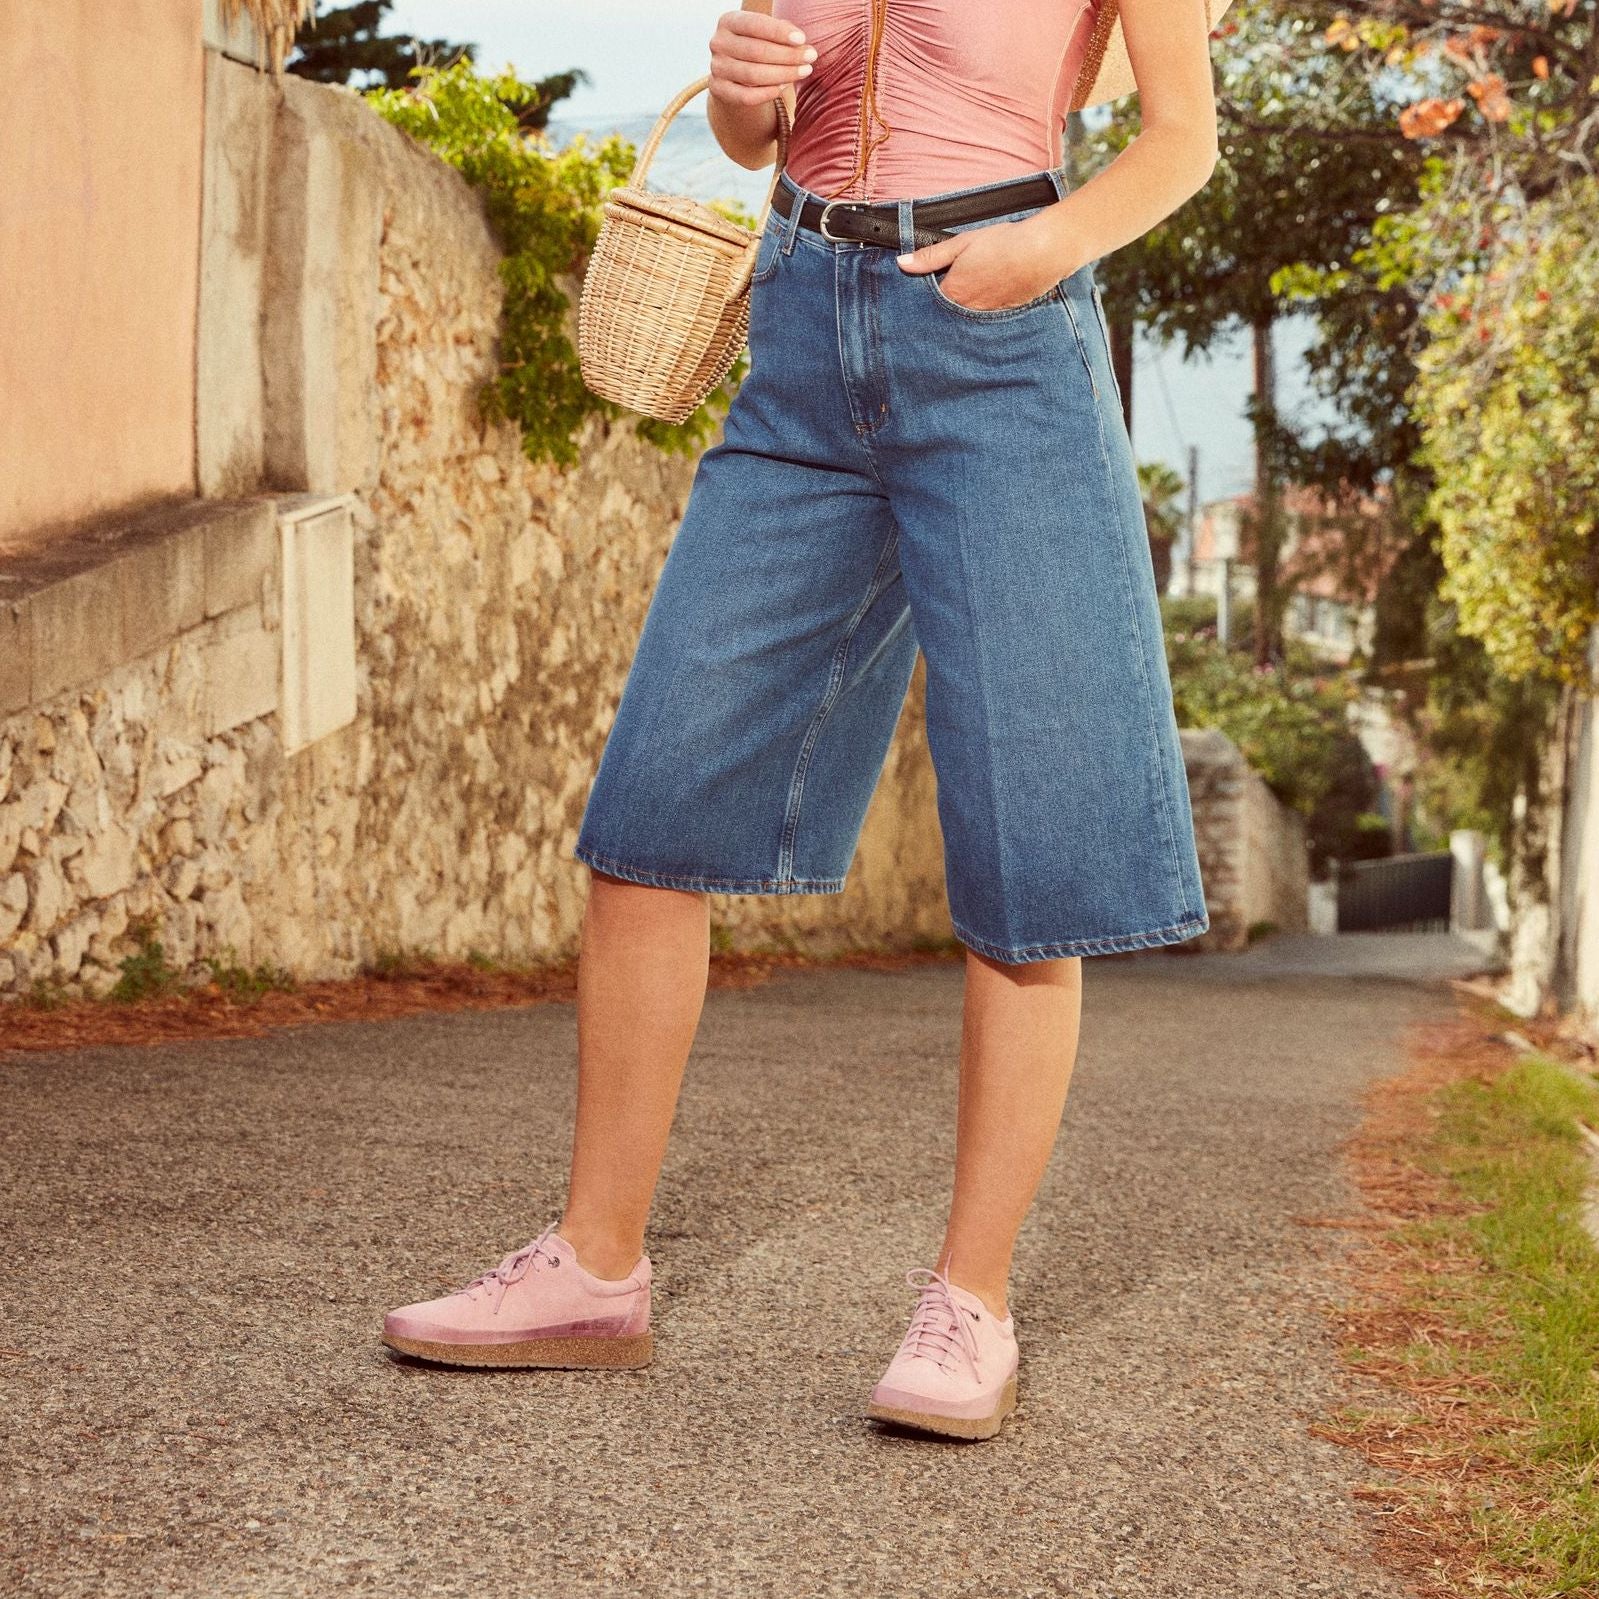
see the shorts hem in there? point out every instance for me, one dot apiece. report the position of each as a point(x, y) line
point(707, 885)
point(1113, 944)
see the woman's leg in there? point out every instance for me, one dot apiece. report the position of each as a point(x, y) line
point(642, 971)
point(1018, 1045)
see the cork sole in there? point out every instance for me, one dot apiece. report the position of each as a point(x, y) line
point(567, 1354)
point(950, 1426)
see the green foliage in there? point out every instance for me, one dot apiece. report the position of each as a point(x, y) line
point(1484, 735)
point(1526, 1306)
point(1309, 160)
point(1290, 720)
point(47, 993)
point(398, 965)
point(1508, 397)
point(145, 973)
point(247, 983)
point(545, 207)
point(1189, 613)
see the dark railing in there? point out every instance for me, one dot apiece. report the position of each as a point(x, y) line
point(1404, 893)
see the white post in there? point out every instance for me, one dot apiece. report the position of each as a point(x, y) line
point(1468, 897)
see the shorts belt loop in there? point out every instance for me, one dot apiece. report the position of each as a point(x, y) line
point(792, 221)
point(1057, 176)
point(907, 228)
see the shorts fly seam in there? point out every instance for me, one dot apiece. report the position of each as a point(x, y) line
point(835, 683)
point(696, 883)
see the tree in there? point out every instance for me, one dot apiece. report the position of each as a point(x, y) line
point(335, 46)
point(1290, 187)
point(1164, 492)
point(346, 40)
point(1508, 398)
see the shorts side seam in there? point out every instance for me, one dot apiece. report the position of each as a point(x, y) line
point(835, 684)
point(1130, 583)
point(697, 883)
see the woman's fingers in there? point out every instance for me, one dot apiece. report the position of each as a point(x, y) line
point(752, 53)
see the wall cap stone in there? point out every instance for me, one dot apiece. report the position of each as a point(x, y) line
point(118, 587)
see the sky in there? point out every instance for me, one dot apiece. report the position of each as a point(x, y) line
point(639, 53)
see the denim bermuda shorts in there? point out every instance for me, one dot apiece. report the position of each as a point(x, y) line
point(900, 472)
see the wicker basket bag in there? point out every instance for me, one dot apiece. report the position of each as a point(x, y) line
point(665, 305)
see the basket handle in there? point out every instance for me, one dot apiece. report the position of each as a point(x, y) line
point(662, 122)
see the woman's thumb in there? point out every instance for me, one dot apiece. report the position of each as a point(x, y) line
point(930, 257)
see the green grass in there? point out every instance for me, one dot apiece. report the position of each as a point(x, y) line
point(146, 973)
point(248, 982)
point(399, 964)
point(1529, 1310)
point(47, 993)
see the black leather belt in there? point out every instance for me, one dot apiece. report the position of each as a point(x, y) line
point(877, 221)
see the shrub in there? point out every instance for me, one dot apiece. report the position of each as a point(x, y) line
point(1291, 723)
point(544, 204)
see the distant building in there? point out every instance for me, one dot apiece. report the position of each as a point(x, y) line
point(1333, 563)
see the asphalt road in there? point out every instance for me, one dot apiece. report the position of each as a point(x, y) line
point(200, 1240)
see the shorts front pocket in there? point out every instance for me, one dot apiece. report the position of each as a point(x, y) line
point(998, 313)
point(769, 249)
point(1077, 338)
point(1104, 333)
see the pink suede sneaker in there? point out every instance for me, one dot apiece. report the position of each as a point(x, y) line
point(538, 1307)
point(955, 1371)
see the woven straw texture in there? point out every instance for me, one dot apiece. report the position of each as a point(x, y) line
point(665, 305)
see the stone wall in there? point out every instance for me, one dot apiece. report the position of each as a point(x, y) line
point(1252, 855)
point(143, 764)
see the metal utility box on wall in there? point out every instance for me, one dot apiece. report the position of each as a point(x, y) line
point(318, 545)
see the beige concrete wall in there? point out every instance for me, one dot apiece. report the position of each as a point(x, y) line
point(1581, 888)
point(1277, 878)
point(1554, 870)
point(1252, 856)
point(1577, 886)
point(99, 244)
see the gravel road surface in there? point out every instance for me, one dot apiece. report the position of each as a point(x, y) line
point(201, 1239)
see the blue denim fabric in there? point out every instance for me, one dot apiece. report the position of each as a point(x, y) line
point(900, 471)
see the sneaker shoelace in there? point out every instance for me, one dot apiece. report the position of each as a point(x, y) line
point(512, 1269)
point(939, 1325)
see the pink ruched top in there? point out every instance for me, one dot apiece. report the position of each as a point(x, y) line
point(961, 92)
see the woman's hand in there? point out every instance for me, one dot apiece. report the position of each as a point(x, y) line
point(754, 56)
point(992, 267)
point(754, 59)
point(1170, 159)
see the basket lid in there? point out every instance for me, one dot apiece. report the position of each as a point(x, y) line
point(679, 208)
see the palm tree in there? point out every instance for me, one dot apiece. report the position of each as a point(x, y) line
point(1163, 491)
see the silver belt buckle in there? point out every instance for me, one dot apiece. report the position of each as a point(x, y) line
point(821, 221)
